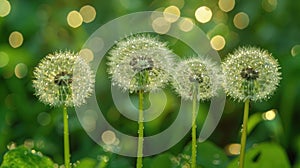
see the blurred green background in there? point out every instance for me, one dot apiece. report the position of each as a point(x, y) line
point(29, 30)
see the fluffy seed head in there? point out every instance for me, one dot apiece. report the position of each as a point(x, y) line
point(140, 63)
point(197, 76)
point(63, 78)
point(250, 73)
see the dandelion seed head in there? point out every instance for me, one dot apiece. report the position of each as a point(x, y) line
point(140, 62)
point(63, 78)
point(198, 76)
point(250, 73)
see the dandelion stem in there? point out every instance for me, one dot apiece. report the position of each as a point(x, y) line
point(194, 126)
point(139, 163)
point(66, 138)
point(244, 134)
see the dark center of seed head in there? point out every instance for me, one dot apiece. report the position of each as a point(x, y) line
point(196, 78)
point(249, 74)
point(141, 64)
point(63, 79)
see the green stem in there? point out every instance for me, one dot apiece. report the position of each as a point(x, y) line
point(244, 134)
point(139, 163)
point(194, 126)
point(66, 138)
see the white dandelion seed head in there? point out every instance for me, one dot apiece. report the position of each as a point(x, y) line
point(199, 76)
point(63, 78)
point(250, 73)
point(140, 63)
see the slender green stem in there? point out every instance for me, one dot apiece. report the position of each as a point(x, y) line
point(244, 134)
point(194, 126)
point(139, 163)
point(66, 138)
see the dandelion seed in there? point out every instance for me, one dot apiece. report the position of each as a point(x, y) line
point(250, 73)
point(56, 83)
point(140, 63)
point(196, 79)
point(197, 75)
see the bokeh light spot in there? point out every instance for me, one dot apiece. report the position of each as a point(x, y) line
point(29, 143)
point(294, 51)
point(226, 5)
point(40, 143)
point(218, 42)
point(108, 137)
point(15, 39)
point(89, 120)
point(160, 25)
point(9, 102)
point(233, 149)
point(88, 13)
point(21, 70)
point(241, 20)
point(203, 14)
point(220, 17)
point(74, 19)
point(157, 13)
point(171, 14)
point(87, 54)
point(186, 24)
point(269, 5)
point(4, 8)
point(44, 118)
point(89, 123)
point(11, 146)
point(4, 59)
point(269, 115)
point(8, 74)
point(96, 43)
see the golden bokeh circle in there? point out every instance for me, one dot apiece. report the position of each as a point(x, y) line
point(171, 14)
point(226, 5)
point(88, 13)
point(74, 19)
point(218, 42)
point(203, 14)
point(5, 8)
point(15, 39)
point(241, 20)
